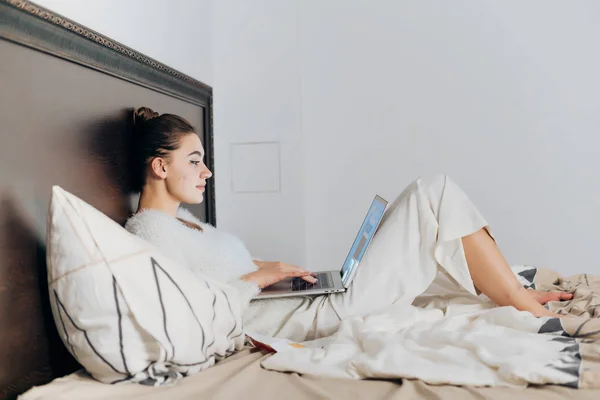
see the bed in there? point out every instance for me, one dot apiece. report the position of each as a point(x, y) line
point(66, 96)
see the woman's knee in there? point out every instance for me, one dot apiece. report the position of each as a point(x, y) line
point(430, 186)
point(432, 183)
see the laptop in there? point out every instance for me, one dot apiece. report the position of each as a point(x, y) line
point(333, 281)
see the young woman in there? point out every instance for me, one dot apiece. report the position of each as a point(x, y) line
point(430, 233)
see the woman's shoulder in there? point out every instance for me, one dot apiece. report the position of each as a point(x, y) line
point(148, 220)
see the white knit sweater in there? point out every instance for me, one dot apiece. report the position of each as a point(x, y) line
point(217, 254)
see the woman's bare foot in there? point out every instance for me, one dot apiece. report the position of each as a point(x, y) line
point(544, 297)
point(492, 275)
point(547, 313)
point(523, 299)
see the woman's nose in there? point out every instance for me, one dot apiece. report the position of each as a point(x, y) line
point(206, 173)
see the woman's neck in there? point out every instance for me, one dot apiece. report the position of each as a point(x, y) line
point(153, 199)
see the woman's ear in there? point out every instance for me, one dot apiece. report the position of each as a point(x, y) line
point(159, 167)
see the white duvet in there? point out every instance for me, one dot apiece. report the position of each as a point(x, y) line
point(497, 347)
point(471, 343)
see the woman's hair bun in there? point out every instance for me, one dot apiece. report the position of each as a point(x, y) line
point(143, 114)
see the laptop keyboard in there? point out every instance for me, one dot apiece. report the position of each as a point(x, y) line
point(324, 282)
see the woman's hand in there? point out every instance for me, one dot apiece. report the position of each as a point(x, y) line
point(271, 272)
point(261, 264)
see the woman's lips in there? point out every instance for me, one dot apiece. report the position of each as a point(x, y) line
point(203, 188)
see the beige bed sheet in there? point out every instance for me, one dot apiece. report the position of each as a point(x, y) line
point(241, 377)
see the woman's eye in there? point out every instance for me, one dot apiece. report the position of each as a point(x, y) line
point(195, 162)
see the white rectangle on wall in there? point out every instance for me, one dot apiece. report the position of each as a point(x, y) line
point(255, 167)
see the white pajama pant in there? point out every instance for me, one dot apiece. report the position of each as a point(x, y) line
point(419, 236)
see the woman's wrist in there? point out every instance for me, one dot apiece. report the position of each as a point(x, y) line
point(251, 278)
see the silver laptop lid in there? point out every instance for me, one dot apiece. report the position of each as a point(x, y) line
point(363, 238)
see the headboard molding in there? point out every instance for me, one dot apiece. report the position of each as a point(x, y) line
point(28, 24)
point(82, 53)
point(66, 91)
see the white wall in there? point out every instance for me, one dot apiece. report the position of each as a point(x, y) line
point(177, 33)
point(501, 95)
point(257, 99)
point(364, 96)
point(254, 68)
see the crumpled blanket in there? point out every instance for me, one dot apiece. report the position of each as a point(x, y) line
point(478, 344)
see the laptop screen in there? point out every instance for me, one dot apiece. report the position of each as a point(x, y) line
point(364, 236)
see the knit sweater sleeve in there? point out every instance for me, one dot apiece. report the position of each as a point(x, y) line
point(246, 290)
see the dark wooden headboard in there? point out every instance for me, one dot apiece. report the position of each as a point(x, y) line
point(66, 96)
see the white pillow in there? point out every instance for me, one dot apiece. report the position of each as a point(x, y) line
point(126, 312)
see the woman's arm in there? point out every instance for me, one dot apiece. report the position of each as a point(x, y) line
point(246, 290)
point(161, 238)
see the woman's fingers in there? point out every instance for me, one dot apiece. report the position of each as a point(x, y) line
point(292, 271)
point(310, 279)
point(306, 275)
point(293, 268)
point(300, 273)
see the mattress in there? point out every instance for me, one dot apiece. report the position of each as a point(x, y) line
point(241, 377)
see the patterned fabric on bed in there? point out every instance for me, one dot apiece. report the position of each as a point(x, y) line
point(126, 312)
point(580, 332)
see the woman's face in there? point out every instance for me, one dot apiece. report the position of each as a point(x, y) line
point(186, 172)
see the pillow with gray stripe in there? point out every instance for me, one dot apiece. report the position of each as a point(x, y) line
point(126, 312)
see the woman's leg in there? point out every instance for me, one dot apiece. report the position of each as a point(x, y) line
point(432, 225)
point(492, 275)
point(420, 232)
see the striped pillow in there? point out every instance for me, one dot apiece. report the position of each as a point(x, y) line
point(126, 312)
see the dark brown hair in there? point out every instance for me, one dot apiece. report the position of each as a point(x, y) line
point(154, 135)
